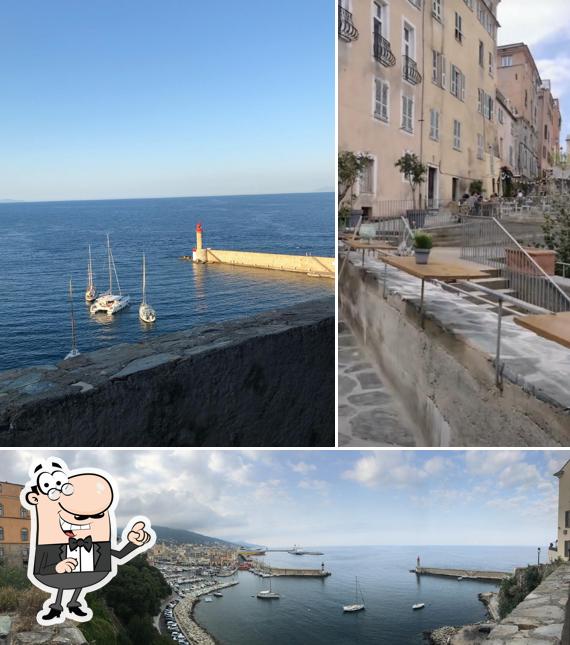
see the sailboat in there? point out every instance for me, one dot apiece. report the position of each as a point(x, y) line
point(74, 351)
point(357, 606)
point(146, 312)
point(268, 594)
point(91, 292)
point(109, 302)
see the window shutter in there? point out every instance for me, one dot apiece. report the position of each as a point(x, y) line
point(443, 72)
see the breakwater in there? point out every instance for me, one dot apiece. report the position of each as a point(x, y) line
point(470, 574)
point(267, 380)
point(184, 613)
point(297, 573)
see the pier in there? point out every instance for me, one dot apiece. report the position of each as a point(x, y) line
point(266, 571)
point(466, 574)
point(311, 265)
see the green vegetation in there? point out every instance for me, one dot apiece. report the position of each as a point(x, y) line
point(422, 240)
point(556, 229)
point(350, 167)
point(18, 596)
point(413, 170)
point(516, 588)
point(476, 186)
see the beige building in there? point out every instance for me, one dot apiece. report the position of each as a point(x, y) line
point(14, 527)
point(561, 549)
point(549, 124)
point(379, 63)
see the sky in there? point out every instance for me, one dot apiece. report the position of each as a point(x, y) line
point(140, 98)
point(332, 498)
point(545, 28)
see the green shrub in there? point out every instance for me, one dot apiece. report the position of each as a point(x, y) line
point(422, 241)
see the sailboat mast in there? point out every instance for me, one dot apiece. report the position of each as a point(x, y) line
point(73, 331)
point(110, 270)
point(144, 279)
point(90, 270)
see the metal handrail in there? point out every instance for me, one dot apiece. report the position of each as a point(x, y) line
point(382, 50)
point(346, 29)
point(410, 70)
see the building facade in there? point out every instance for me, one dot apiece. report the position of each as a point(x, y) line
point(549, 125)
point(14, 527)
point(379, 63)
point(561, 549)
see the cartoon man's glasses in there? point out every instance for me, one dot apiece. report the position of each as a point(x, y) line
point(54, 484)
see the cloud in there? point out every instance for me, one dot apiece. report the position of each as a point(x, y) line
point(491, 462)
point(317, 485)
point(557, 70)
point(525, 21)
point(303, 467)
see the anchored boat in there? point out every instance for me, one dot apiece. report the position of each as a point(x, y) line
point(109, 302)
point(357, 606)
point(419, 605)
point(268, 594)
point(74, 351)
point(91, 292)
point(146, 313)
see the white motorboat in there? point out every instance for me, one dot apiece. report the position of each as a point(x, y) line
point(359, 601)
point(268, 594)
point(146, 313)
point(218, 594)
point(90, 292)
point(208, 599)
point(74, 351)
point(419, 605)
point(109, 302)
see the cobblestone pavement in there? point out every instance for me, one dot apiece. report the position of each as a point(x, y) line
point(369, 413)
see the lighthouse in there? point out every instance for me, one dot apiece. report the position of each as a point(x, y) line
point(199, 253)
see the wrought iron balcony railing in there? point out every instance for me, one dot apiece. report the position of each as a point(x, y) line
point(410, 71)
point(346, 29)
point(382, 51)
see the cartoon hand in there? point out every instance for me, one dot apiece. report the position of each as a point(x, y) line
point(137, 535)
point(66, 566)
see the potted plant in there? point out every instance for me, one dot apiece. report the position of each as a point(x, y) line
point(414, 171)
point(422, 247)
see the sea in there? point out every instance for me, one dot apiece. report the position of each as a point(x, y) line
point(309, 611)
point(43, 245)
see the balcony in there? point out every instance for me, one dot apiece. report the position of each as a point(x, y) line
point(382, 51)
point(410, 71)
point(346, 29)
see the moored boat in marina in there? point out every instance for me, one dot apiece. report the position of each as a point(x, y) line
point(90, 292)
point(357, 606)
point(109, 302)
point(146, 313)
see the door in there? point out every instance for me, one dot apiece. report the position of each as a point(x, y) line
point(455, 189)
point(432, 187)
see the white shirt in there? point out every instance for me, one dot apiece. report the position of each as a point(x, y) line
point(84, 558)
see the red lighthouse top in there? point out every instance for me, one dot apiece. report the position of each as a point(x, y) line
point(199, 227)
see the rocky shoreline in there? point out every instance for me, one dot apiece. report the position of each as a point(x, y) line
point(184, 613)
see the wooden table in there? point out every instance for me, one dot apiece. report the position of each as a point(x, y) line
point(434, 270)
point(555, 327)
point(377, 245)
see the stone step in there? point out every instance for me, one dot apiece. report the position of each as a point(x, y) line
point(492, 283)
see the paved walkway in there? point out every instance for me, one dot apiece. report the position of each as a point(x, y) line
point(369, 413)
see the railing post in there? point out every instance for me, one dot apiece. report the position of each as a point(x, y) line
point(498, 366)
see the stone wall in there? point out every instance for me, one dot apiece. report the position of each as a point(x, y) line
point(444, 371)
point(66, 633)
point(268, 380)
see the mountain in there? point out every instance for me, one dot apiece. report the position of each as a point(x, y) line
point(182, 536)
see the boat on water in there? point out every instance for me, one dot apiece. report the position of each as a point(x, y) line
point(109, 302)
point(208, 599)
point(146, 313)
point(90, 292)
point(419, 605)
point(268, 594)
point(358, 600)
point(74, 351)
point(218, 594)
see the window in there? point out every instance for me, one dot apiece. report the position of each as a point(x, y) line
point(380, 19)
point(1, 510)
point(491, 64)
point(479, 146)
point(480, 100)
point(526, 98)
point(481, 54)
point(500, 115)
point(501, 147)
point(1, 534)
point(438, 69)
point(407, 113)
point(506, 61)
point(456, 135)
point(457, 83)
point(511, 155)
point(24, 535)
point(469, 3)
point(490, 108)
point(409, 41)
point(381, 99)
point(567, 520)
point(436, 9)
point(367, 178)
point(434, 124)
point(458, 28)
point(24, 514)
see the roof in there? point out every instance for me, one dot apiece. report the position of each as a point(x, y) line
point(524, 46)
point(561, 471)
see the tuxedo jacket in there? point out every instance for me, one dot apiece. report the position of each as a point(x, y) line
point(48, 555)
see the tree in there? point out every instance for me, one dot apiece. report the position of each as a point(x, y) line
point(476, 186)
point(556, 229)
point(350, 168)
point(413, 170)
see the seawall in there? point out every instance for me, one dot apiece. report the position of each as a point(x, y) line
point(310, 573)
point(471, 574)
point(267, 380)
point(308, 264)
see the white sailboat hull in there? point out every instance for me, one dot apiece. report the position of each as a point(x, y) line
point(353, 608)
point(90, 294)
point(147, 313)
point(268, 595)
point(109, 304)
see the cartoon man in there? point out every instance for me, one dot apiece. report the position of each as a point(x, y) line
point(73, 547)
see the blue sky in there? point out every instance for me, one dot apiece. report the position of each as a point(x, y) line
point(142, 98)
point(545, 28)
point(325, 498)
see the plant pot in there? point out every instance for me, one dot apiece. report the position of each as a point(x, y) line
point(422, 255)
point(416, 217)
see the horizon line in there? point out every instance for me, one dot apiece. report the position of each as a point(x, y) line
point(6, 200)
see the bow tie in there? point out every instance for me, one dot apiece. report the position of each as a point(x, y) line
point(86, 543)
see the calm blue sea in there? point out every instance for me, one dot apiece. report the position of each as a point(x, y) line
point(43, 244)
point(309, 611)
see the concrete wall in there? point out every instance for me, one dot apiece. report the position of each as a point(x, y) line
point(267, 380)
point(446, 383)
point(308, 264)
